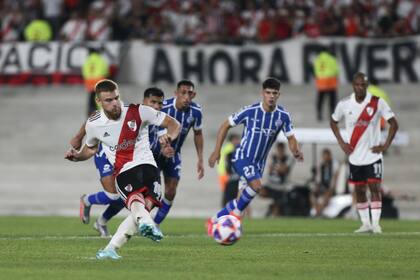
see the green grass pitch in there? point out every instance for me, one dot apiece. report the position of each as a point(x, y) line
point(62, 248)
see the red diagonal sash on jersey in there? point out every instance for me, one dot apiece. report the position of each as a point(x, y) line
point(364, 120)
point(127, 140)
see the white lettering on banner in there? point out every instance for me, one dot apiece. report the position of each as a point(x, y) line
point(386, 60)
point(50, 58)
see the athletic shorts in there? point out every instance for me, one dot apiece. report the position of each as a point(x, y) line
point(364, 174)
point(142, 179)
point(246, 169)
point(171, 167)
point(102, 163)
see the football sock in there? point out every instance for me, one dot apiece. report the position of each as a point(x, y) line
point(375, 211)
point(113, 209)
point(246, 197)
point(139, 212)
point(125, 230)
point(101, 197)
point(230, 206)
point(363, 210)
point(163, 211)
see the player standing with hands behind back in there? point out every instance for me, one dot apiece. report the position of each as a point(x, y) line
point(362, 114)
point(262, 121)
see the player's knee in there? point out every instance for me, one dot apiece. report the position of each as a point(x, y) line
point(170, 194)
point(108, 183)
point(112, 196)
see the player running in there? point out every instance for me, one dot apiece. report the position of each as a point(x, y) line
point(189, 115)
point(262, 122)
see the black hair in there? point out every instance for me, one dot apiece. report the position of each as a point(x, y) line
point(360, 75)
point(153, 91)
point(105, 86)
point(187, 83)
point(233, 136)
point(281, 145)
point(272, 83)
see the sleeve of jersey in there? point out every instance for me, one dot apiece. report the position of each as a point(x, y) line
point(238, 117)
point(385, 110)
point(198, 125)
point(91, 140)
point(151, 116)
point(338, 114)
point(288, 126)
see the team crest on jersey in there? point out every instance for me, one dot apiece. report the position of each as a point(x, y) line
point(132, 125)
point(190, 119)
point(369, 110)
point(279, 122)
point(129, 188)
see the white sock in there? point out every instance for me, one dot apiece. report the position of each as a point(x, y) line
point(102, 221)
point(139, 213)
point(375, 211)
point(125, 230)
point(363, 210)
point(86, 200)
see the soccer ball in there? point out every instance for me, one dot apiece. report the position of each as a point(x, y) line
point(227, 230)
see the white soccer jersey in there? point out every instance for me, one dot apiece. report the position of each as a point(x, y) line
point(100, 128)
point(350, 110)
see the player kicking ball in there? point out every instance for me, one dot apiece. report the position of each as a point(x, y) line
point(128, 149)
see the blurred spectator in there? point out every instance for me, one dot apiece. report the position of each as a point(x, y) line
point(52, 10)
point(230, 189)
point(326, 80)
point(212, 21)
point(221, 21)
point(282, 27)
point(99, 21)
point(38, 30)
point(265, 29)
point(278, 180)
point(94, 69)
point(325, 182)
point(222, 169)
point(75, 28)
point(11, 24)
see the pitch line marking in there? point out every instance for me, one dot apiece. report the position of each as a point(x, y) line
point(87, 237)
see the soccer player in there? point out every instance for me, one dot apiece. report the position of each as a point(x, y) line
point(262, 121)
point(189, 115)
point(153, 97)
point(362, 113)
point(127, 147)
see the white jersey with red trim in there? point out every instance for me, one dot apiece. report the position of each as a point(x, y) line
point(101, 129)
point(350, 110)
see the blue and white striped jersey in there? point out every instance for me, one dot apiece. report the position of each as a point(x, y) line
point(190, 118)
point(154, 139)
point(260, 131)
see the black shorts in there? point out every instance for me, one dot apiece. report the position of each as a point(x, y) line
point(364, 174)
point(142, 179)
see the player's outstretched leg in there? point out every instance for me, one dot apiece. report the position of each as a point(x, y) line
point(145, 225)
point(107, 254)
point(124, 232)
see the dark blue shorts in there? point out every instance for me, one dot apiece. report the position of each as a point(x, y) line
point(246, 169)
point(171, 167)
point(102, 163)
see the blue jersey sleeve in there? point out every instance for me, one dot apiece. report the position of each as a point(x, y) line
point(288, 125)
point(198, 123)
point(239, 117)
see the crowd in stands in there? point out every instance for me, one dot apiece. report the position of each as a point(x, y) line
point(210, 21)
